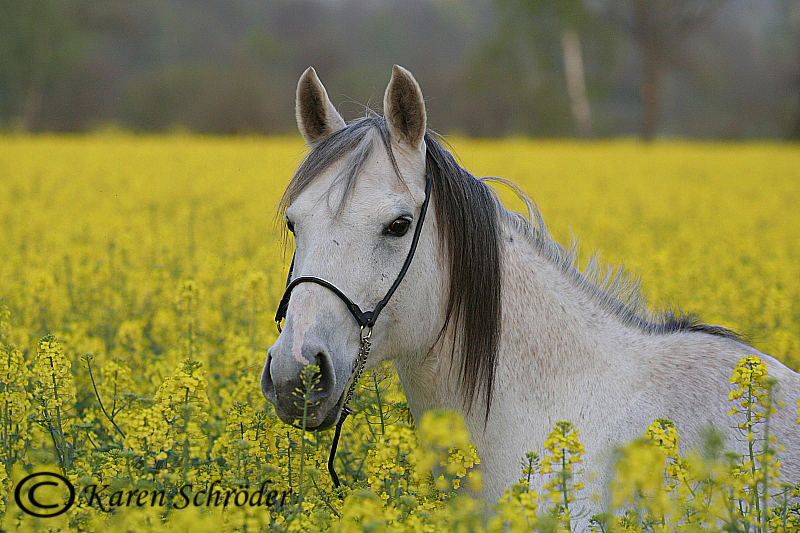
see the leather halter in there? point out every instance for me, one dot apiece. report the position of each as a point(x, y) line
point(365, 319)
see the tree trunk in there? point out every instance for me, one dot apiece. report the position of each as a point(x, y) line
point(576, 83)
point(31, 106)
point(794, 128)
point(650, 92)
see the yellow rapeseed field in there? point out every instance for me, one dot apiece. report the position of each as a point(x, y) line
point(139, 277)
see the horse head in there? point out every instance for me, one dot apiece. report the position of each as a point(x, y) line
point(354, 208)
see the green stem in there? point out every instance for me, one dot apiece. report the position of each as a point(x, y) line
point(380, 403)
point(765, 456)
point(564, 486)
point(97, 394)
point(754, 494)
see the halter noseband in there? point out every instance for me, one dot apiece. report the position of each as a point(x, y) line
point(365, 319)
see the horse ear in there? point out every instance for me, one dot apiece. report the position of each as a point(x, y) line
point(316, 116)
point(404, 108)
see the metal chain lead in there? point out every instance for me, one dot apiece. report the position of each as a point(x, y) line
point(355, 374)
point(359, 364)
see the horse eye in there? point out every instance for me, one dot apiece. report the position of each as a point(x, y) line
point(398, 228)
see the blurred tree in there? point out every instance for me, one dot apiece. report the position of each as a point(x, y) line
point(517, 74)
point(658, 28)
point(571, 18)
point(41, 40)
point(790, 14)
point(487, 67)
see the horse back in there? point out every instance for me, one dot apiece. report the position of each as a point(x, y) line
point(687, 381)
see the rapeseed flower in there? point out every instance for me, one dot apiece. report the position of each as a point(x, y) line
point(145, 261)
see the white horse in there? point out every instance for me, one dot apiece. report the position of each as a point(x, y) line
point(491, 320)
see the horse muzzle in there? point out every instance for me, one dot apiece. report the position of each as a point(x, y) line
point(297, 393)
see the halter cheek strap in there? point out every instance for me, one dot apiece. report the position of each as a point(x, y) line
point(365, 319)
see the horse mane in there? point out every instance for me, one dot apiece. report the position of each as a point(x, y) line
point(469, 220)
point(467, 214)
point(615, 290)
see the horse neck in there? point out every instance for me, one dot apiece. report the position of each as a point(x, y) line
point(555, 330)
point(555, 337)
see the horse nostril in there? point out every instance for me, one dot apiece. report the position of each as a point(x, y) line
point(323, 378)
point(267, 386)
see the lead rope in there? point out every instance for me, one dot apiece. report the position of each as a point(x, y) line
point(358, 369)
